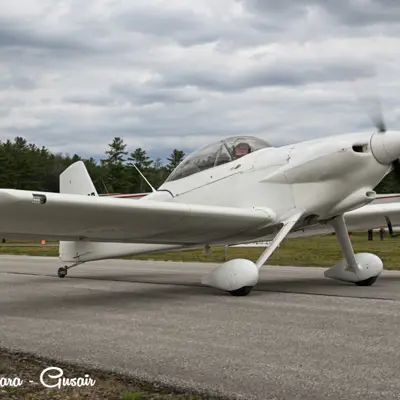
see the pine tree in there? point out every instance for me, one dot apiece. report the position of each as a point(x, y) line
point(175, 158)
point(116, 152)
point(114, 165)
point(140, 158)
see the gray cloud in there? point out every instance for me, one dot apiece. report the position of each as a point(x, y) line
point(147, 94)
point(17, 34)
point(348, 12)
point(163, 75)
point(275, 74)
point(15, 82)
point(88, 99)
point(186, 28)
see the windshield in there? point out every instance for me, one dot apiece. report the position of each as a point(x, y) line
point(217, 153)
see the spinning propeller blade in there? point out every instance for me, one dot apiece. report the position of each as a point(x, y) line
point(376, 116)
point(372, 105)
point(368, 96)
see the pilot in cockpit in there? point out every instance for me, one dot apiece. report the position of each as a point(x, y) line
point(241, 149)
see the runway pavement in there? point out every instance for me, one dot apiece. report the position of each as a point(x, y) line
point(298, 335)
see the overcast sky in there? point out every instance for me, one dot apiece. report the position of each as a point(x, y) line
point(167, 74)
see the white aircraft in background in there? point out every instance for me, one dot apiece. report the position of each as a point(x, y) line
point(235, 190)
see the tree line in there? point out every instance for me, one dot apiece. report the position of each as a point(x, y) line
point(26, 166)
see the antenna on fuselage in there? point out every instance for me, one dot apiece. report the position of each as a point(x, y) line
point(138, 170)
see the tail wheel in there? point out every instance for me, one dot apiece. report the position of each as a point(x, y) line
point(62, 272)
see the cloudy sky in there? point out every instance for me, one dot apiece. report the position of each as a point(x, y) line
point(167, 74)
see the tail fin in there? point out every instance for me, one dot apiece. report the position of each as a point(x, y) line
point(76, 180)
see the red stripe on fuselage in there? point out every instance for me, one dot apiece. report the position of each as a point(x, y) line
point(393, 196)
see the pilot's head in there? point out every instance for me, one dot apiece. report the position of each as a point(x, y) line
point(241, 149)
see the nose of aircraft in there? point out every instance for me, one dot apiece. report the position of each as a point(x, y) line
point(385, 146)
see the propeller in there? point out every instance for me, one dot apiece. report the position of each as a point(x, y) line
point(373, 107)
point(378, 120)
point(370, 100)
point(376, 115)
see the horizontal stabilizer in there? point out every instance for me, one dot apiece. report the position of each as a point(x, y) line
point(75, 251)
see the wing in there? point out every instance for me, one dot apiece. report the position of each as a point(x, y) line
point(373, 216)
point(76, 217)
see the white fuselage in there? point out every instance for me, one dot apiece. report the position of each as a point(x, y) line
point(323, 177)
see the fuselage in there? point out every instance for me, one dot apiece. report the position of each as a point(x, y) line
point(323, 177)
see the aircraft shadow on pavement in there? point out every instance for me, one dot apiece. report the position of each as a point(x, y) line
point(73, 299)
point(266, 283)
point(300, 283)
point(156, 292)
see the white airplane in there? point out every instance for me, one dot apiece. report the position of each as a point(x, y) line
point(235, 190)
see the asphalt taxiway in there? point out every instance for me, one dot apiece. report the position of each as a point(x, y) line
point(298, 335)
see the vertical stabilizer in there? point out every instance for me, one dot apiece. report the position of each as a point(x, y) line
point(76, 180)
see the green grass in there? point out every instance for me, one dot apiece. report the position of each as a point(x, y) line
point(30, 251)
point(132, 396)
point(322, 251)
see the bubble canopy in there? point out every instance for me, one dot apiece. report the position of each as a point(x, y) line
point(217, 153)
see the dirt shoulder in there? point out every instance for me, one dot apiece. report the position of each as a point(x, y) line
point(16, 367)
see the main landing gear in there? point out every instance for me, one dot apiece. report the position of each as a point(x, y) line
point(239, 276)
point(63, 271)
point(362, 269)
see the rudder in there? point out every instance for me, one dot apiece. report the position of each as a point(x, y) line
point(76, 180)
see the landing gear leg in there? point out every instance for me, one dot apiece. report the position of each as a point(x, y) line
point(277, 240)
point(342, 235)
point(63, 271)
point(239, 276)
point(362, 269)
point(245, 290)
